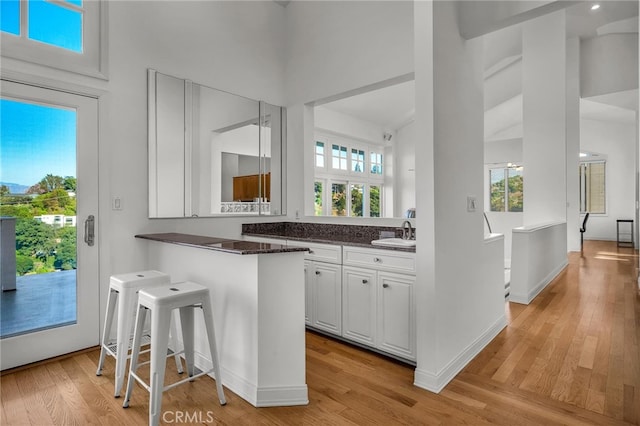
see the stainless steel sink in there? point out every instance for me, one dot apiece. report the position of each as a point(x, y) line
point(394, 242)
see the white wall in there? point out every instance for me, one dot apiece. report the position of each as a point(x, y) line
point(184, 39)
point(544, 124)
point(188, 40)
point(468, 310)
point(404, 172)
point(617, 142)
point(609, 64)
point(333, 48)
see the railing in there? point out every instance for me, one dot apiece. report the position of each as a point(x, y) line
point(8, 253)
point(538, 255)
point(249, 207)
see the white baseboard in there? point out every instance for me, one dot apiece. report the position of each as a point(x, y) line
point(531, 294)
point(266, 396)
point(437, 382)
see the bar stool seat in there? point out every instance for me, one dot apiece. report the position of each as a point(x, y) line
point(160, 302)
point(123, 296)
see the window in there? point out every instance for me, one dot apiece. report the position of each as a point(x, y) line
point(357, 199)
point(339, 199)
point(376, 163)
point(63, 34)
point(345, 181)
point(57, 24)
point(357, 160)
point(318, 191)
point(319, 154)
point(592, 187)
point(339, 157)
point(374, 201)
point(506, 189)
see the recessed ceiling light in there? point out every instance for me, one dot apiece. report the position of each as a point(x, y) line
point(595, 7)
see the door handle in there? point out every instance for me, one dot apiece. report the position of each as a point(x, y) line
point(89, 230)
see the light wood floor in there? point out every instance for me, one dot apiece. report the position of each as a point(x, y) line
point(570, 357)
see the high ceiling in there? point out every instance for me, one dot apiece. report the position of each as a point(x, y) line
point(391, 107)
point(394, 106)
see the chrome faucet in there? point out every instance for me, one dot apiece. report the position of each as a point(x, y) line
point(407, 230)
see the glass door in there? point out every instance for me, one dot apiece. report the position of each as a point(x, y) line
point(48, 202)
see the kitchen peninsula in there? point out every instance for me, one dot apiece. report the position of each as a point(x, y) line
point(258, 298)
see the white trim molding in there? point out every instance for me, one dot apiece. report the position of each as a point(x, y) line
point(436, 382)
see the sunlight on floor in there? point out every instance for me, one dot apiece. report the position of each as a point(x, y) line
point(620, 257)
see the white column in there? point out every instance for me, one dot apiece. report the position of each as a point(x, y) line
point(458, 310)
point(544, 127)
point(573, 143)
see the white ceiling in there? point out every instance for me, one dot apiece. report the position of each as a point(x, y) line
point(393, 107)
point(390, 107)
point(505, 120)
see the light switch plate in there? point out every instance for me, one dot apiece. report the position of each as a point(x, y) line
point(116, 203)
point(471, 203)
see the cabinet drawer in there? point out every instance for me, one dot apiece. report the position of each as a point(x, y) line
point(320, 252)
point(389, 260)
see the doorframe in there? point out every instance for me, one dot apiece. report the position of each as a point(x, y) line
point(12, 75)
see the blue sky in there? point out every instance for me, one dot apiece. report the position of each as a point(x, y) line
point(36, 140)
point(48, 22)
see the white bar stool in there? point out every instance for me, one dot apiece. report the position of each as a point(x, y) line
point(161, 301)
point(124, 289)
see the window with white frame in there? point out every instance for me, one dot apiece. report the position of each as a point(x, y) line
point(506, 189)
point(593, 187)
point(357, 160)
point(338, 157)
point(376, 163)
point(64, 34)
point(320, 154)
point(351, 183)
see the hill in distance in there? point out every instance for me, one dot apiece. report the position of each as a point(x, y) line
point(15, 188)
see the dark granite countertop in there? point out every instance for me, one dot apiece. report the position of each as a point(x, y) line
point(220, 244)
point(343, 235)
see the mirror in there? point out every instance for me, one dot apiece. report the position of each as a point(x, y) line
point(364, 152)
point(212, 153)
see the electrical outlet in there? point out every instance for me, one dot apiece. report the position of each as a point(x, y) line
point(471, 203)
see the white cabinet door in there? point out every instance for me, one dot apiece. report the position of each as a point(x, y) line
point(308, 294)
point(326, 280)
point(396, 318)
point(359, 305)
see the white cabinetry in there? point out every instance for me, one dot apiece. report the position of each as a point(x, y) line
point(396, 314)
point(359, 305)
point(323, 286)
point(378, 307)
point(364, 295)
point(324, 305)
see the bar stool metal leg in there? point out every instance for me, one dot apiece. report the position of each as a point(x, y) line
point(160, 338)
point(161, 302)
point(176, 349)
point(112, 298)
point(123, 296)
point(188, 336)
point(126, 305)
point(135, 352)
point(211, 335)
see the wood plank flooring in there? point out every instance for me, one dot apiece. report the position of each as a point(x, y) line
point(570, 357)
